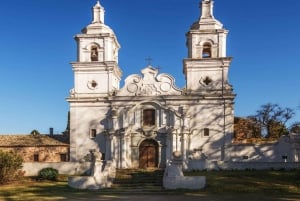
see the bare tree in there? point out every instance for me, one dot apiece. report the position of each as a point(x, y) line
point(272, 119)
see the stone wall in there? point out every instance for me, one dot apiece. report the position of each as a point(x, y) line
point(45, 153)
point(258, 165)
point(230, 165)
point(278, 151)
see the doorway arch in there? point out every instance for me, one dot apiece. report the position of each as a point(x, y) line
point(148, 154)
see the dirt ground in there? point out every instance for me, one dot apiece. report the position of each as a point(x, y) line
point(190, 197)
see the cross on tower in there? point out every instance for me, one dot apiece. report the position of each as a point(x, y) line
point(158, 68)
point(149, 60)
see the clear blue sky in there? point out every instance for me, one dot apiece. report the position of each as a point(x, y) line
point(36, 47)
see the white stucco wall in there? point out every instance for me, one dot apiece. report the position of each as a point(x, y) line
point(83, 119)
point(66, 168)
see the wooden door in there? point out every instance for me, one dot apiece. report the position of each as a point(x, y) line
point(148, 154)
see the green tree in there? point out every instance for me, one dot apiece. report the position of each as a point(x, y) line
point(10, 165)
point(272, 120)
point(35, 132)
point(295, 128)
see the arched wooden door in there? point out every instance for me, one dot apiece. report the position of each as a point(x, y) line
point(148, 154)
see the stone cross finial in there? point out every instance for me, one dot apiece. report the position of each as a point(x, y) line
point(98, 13)
point(149, 60)
point(207, 9)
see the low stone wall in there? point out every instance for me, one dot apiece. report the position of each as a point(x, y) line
point(67, 168)
point(258, 165)
point(232, 165)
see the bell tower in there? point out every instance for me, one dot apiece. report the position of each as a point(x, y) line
point(96, 71)
point(206, 68)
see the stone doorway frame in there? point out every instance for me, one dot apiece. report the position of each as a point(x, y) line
point(150, 149)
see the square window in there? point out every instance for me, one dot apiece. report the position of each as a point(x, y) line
point(93, 133)
point(63, 157)
point(148, 117)
point(206, 132)
point(36, 157)
point(103, 157)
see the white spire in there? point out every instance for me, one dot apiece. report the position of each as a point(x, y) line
point(207, 20)
point(98, 13)
point(207, 9)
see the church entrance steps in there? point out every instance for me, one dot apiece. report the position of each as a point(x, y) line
point(144, 180)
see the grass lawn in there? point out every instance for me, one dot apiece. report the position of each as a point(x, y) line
point(273, 182)
point(221, 186)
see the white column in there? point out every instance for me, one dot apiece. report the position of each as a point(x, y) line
point(183, 145)
point(121, 149)
point(109, 146)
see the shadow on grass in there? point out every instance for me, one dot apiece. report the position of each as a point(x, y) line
point(222, 186)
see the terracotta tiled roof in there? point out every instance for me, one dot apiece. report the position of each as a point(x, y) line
point(64, 138)
point(28, 141)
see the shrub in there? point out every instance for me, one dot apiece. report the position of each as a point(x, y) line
point(10, 164)
point(48, 174)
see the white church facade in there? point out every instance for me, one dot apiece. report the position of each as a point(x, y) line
point(143, 123)
point(149, 120)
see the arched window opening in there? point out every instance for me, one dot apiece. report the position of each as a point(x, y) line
point(94, 53)
point(148, 117)
point(206, 53)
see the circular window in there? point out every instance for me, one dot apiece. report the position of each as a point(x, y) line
point(92, 84)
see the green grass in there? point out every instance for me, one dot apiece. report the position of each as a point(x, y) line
point(253, 182)
point(222, 185)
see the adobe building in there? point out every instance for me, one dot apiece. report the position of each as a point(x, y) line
point(35, 147)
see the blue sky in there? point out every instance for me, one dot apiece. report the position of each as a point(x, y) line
point(37, 45)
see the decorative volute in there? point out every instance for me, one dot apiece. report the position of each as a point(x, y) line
point(150, 83)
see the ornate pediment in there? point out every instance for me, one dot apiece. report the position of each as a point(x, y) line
point(150, 83)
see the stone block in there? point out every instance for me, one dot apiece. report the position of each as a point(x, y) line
point(80, 182)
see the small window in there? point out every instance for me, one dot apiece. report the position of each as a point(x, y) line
point(36, 157)
point(245, 157)
point(63, 157)
point(206, 132)
point(94, 53)
point(103, 157)
point(206, 53)
point(148, 117)
point(93, 133)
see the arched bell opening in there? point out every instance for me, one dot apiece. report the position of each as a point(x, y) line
point(206, 52)
point(94, 53)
